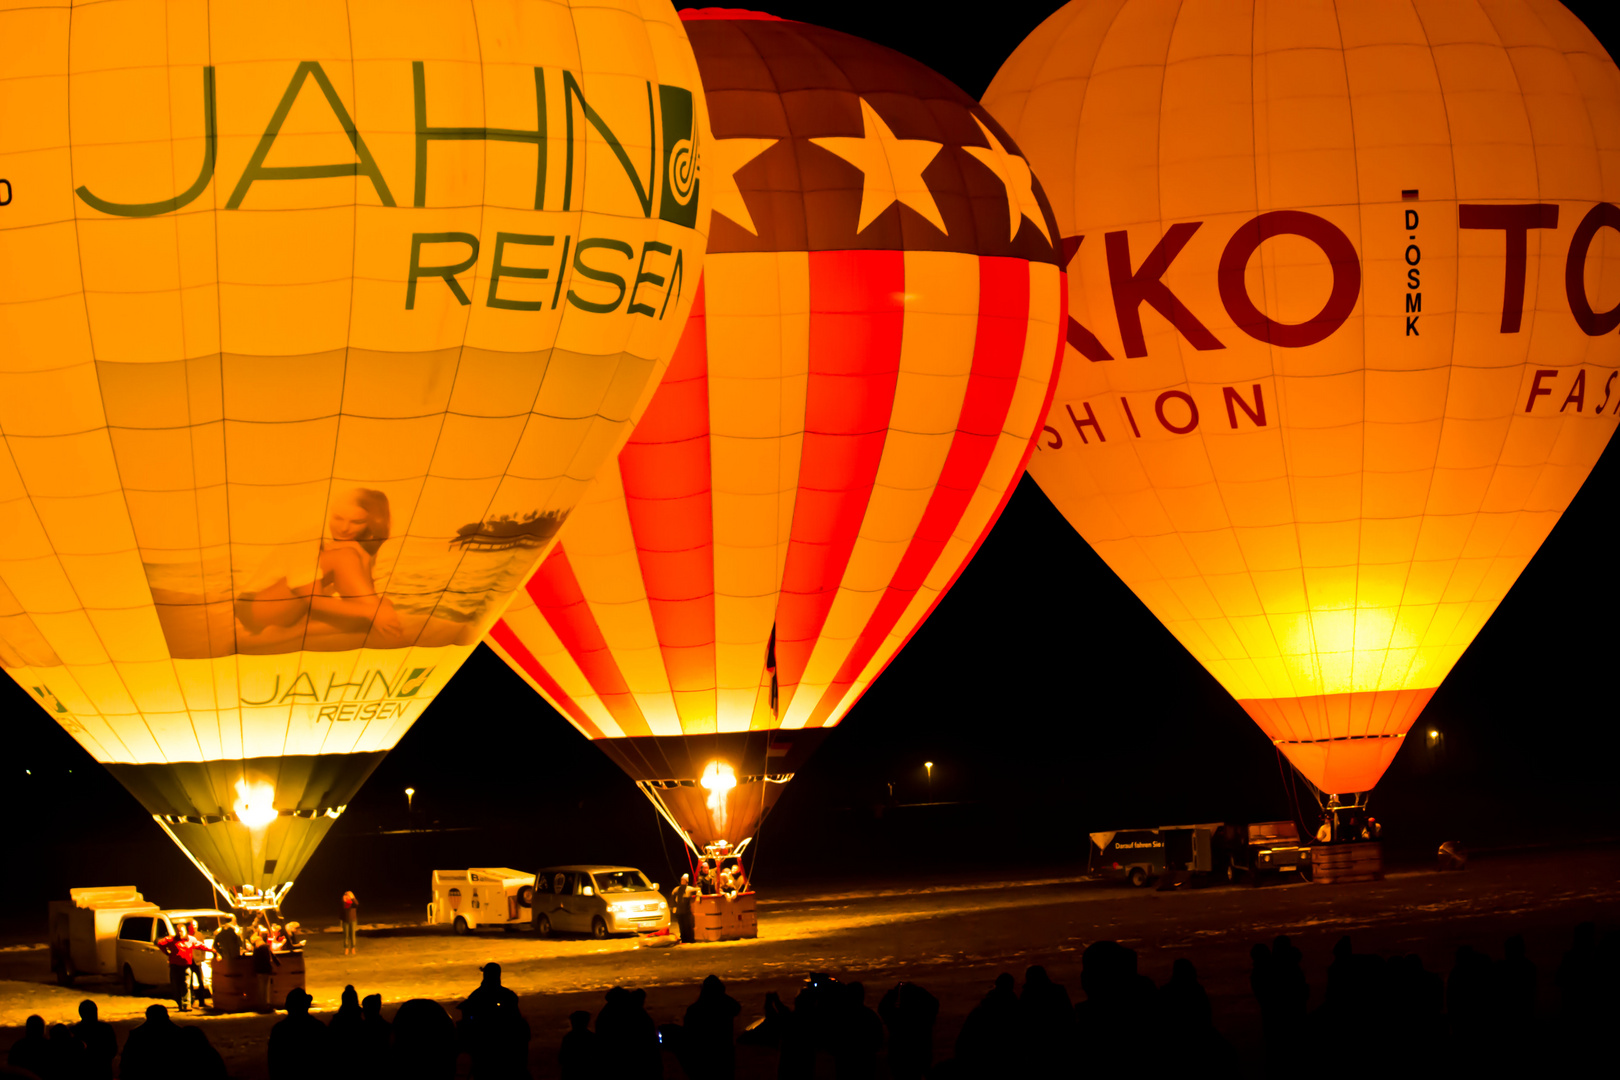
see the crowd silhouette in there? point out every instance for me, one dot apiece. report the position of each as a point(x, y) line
point(1387, 1014)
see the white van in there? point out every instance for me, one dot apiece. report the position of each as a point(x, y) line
point(115, 931)
point(465, 900)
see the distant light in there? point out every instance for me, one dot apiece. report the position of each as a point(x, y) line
point(928, 764)
point(1434, 734)
point(30, 772)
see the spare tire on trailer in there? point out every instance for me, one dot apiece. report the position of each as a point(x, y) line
point(526, 896)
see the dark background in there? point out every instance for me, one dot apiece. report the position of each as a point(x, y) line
point(1050, 700)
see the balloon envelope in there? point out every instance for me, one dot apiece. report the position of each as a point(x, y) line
point(853, 398)
point(1341, 347)
point(314, 326)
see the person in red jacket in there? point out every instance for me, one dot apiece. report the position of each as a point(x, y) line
point(184, 949)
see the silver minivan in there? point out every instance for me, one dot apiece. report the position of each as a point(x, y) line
point(597, 900)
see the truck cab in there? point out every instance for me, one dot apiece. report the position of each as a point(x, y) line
point(1269, 849)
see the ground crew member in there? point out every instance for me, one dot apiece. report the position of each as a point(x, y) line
point(681, 898)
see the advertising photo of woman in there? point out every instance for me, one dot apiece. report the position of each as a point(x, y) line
point(325, 599)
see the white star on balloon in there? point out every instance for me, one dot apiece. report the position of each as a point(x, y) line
point(727, 156)
point(892, 168)
point(1013, 172)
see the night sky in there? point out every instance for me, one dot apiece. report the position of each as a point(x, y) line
point(1051, 701)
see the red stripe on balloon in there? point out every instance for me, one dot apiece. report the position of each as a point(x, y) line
point(857, 316)
point(518, 653)
point(557, 594)
point(1023, 463)
point(998, 355)
point(667, 489)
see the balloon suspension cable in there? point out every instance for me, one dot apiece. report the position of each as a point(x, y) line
point(651, 791)
point(225, 894)
point(663, 844)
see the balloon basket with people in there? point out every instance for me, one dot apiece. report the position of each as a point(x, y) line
point(1349, 846)
point(718, 903)
point(259, 967)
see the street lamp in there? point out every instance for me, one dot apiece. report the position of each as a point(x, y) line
point(929, 765)
point(410, 793)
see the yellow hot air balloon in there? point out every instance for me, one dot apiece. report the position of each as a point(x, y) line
point(316, 319)
point(1343, 300)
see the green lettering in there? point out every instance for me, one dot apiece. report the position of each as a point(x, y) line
point(448, 273)
point(500, 270)
point(426, 134)
point(572, 90)
point(206, 173)
point(605, 276)
point(655, 279)
point(562, 265)
point(257, 170)
point(293, 691)
point(676, 278)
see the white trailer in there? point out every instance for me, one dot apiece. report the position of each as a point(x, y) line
point(84, 929)
point(465, 900)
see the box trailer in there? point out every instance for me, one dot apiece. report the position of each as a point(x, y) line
point(1169, 854)
point(84, 929)
point(465, 900)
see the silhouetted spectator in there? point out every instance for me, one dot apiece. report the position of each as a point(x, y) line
point(1579, 974)
point(990, 1032)
point(577, 1060)
point(1048, 1021)
point(493, 1029)
point(33, 1051)
point(489, 995)
point(347, 1029)
point(1516, 976)
point(856, 1036)
point(300, 1045)
point(375, 1032)
point(1116, 1017)
point(768, 1029)
point(1415, 1007)
point(1183, 1004)
point(99, 1039)
point(1469, 998)
point(909, 1012)
point(709, 1050)
point(627, 1038)
point(1187, 1023)
point(424, 1046)
point(198, 1058)
point(152, 1050)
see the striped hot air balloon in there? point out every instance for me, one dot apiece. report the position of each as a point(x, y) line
point(853, 399)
